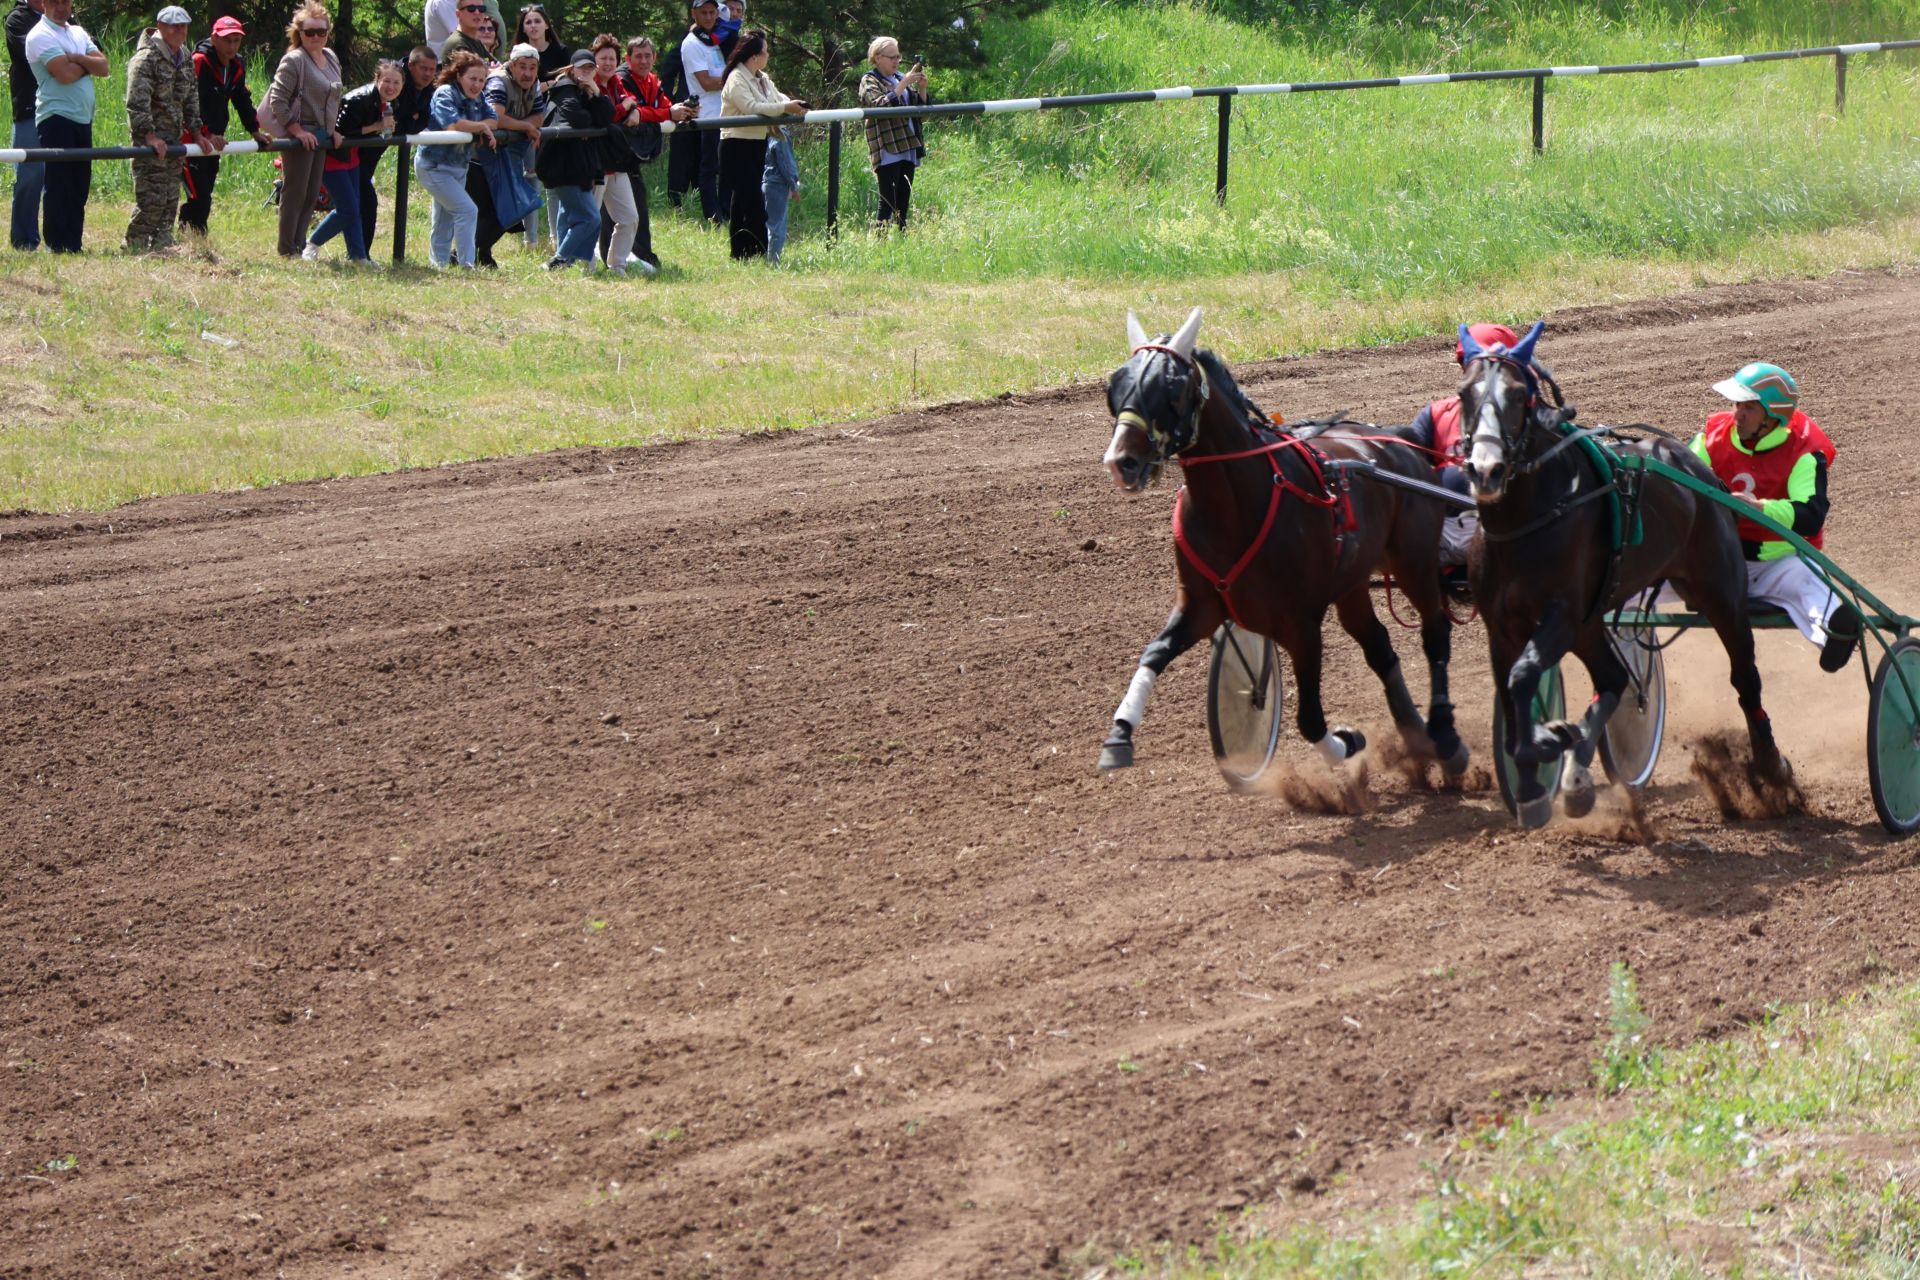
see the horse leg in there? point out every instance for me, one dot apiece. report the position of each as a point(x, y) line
point(1736, 637)
point(1307, 651)
point(1185, 627)
point(1422, 589)
point(1537, 744)
point(1610, 676)
point(1359, 620)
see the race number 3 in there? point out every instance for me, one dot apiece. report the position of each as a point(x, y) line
point(1742, 484)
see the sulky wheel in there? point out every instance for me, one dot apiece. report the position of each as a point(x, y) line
point(1245, 700)
point(1549, 703)
point(1893, 737)
point(1630, 744)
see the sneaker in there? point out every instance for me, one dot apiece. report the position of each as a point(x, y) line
point(369, 264)
point(640, 265)
point(558, 263)
point(310, 254)
point(1843, 633)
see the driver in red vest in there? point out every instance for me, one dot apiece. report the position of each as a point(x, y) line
point(1437, 428)
point(1775, 459)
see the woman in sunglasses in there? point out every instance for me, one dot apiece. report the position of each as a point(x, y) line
point(304, 101)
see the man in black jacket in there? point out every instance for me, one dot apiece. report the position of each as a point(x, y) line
point(29, 180)
point(222, 79)
point(410, 108)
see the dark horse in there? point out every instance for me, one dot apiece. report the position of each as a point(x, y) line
point(1544, 575)
point(1270, 534)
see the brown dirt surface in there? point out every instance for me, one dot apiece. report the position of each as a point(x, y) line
point(690, 860)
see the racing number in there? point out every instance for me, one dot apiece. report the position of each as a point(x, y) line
point(1742, 484)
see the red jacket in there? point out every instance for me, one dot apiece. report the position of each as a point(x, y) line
point(1445, 416)
point(1763, 473)
point(655, 106)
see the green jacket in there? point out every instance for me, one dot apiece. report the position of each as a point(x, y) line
point(163, 96)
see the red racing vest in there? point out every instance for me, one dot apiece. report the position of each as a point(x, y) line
point(1764, 474)
point(1446, 430)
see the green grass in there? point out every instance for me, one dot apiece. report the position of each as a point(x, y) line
point(1787, 1150)
point(1356, 217)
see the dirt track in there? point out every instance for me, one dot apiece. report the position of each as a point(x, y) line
point(690, 861)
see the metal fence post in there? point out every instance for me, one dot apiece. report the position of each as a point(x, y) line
point(1539, 114)
point(1840, 84)
point(400, 207)
point(833, 178)
point(1220, 160)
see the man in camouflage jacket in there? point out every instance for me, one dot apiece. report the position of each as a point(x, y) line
point(163, 106)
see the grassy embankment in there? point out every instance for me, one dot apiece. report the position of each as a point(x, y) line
point(1352, 218)
point(1790, 1150)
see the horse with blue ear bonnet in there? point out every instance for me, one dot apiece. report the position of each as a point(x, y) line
point(1566, 537)
point(1269, 533)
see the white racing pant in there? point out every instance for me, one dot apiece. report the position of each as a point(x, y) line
point(1456, 535)
point(1787, 582)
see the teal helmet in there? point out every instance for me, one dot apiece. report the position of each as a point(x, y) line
point(1769, 384)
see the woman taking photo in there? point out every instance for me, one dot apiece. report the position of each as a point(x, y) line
point(348, 172)
point(743, 150)
point(458, 104)
point(304, 100)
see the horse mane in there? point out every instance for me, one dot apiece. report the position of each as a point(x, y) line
point(1222, 383)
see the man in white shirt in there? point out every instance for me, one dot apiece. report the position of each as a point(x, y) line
point(706, 69)
point(65, 63)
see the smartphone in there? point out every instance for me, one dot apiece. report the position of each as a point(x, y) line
point(919, 64)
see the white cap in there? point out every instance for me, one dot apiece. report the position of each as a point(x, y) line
point(173, 15)
point(523, 51)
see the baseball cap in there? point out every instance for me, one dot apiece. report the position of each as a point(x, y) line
point(523, 51)
point(581, 58)
point(173, 15)
point(228, 27)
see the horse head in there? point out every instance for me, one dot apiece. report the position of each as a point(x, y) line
point(1497, 399)
point(1155, 398)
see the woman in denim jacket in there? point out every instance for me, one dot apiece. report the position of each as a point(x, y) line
point(457, 105)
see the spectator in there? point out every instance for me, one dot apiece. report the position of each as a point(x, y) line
point(683, 145)
point(896, 146)
point(743, 150)
point(305, 99)
point(655, 108)
point(779, 183)
point(347, 171)
point(458, 105)
point(518, 105)
point(472, 36)
point(163, 104)
point(726, 31)
point(537, 29)
point(441, 19)
point(620, 218)
point(65, 62)
point(572, 167)
point(410, 109)
point(29, 180)
point(222, 80)
point(705, 66)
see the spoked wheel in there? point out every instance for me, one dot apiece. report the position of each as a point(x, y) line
point(1630, 744)
point(1549, 703)
point(1245, 701)
point(1893, 738)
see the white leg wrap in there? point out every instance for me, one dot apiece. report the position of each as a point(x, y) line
point(1134, 705)
point(1331, 749)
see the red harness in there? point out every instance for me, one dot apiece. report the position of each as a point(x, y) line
point(1329, 495)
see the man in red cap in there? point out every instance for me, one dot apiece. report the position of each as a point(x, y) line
point(1437, 428)
point(222, 80)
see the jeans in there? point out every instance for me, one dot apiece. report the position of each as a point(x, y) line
point(344, 218)
point(64, 202)
point(777, 195)
point(455, 216)
point(29, 180)
point(577, 223)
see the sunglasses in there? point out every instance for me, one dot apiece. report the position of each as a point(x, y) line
point(314, 31)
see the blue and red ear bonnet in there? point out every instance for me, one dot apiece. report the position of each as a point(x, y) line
point(1495, 342)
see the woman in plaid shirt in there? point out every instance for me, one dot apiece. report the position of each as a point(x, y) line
point(895, 145)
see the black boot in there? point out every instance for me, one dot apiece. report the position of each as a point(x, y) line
point(1843, 633)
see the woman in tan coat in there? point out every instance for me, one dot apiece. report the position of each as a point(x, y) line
point(743, 150)
point(305, 103)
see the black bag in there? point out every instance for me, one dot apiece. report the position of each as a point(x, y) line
point(644, 141)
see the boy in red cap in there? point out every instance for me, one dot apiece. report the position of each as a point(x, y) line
point(222, 82)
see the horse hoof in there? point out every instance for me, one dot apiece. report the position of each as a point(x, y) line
point(1455, 765)
point(1116, 755)
point(1535, 814)
point(1579, 802)
point(1354, 740)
